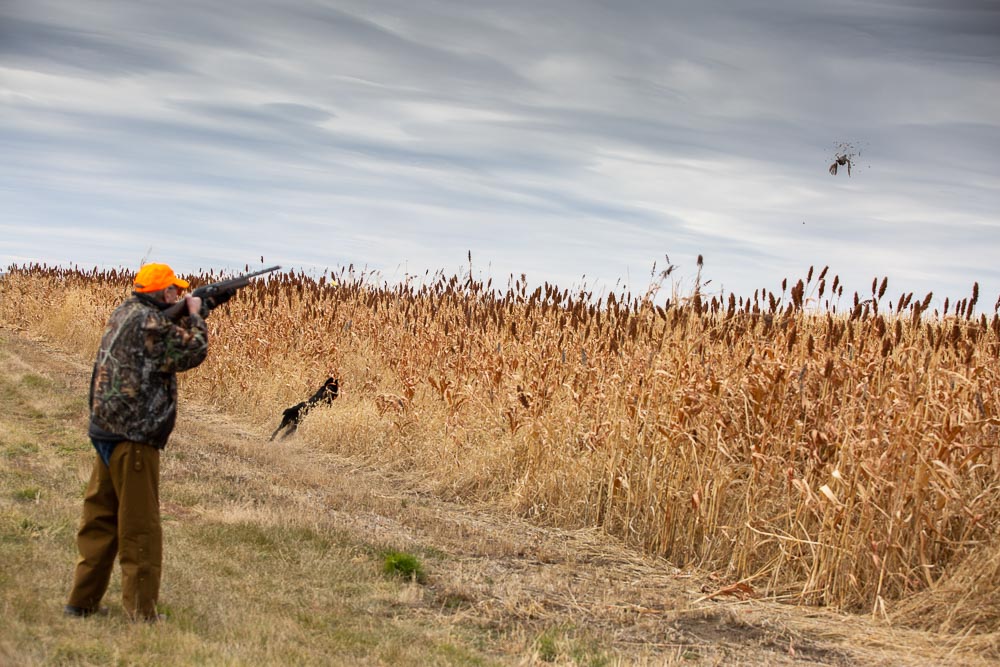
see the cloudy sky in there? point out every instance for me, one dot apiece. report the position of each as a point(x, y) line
point(555, 138)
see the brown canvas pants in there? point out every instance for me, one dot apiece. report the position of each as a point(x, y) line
point(121, 516)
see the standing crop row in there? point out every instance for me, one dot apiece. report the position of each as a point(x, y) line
point(829, 449)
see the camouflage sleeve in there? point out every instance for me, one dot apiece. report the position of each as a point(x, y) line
point(176, 347)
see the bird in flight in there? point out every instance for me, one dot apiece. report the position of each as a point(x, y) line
point(845, 155)
point(840, 160)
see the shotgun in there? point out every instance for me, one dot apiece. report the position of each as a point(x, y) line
point(214, 295)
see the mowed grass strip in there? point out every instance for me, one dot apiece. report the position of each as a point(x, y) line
point(241, 584)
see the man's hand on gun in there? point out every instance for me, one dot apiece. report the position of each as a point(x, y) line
point(193, 304)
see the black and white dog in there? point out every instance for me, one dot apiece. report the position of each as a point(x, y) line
point(293, 415)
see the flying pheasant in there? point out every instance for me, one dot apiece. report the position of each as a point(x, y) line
point(840, 160)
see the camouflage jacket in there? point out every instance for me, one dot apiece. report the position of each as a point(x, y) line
point(133, 391)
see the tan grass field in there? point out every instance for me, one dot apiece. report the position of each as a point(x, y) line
point(631, 484)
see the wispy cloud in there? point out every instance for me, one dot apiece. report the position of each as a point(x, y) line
point(554, 138)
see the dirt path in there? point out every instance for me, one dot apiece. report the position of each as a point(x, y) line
point(503, 573)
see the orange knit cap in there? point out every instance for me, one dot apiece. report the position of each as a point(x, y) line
point(154, 277)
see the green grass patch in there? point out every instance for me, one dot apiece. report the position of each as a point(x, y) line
point(35, 382)
point(15, 448)
point(73, 447)
point(31, 493)
point(546, 647)
point(403, 565)
point(261, 540)
point(564, 644)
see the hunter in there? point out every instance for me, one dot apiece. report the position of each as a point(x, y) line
point(133, 407)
